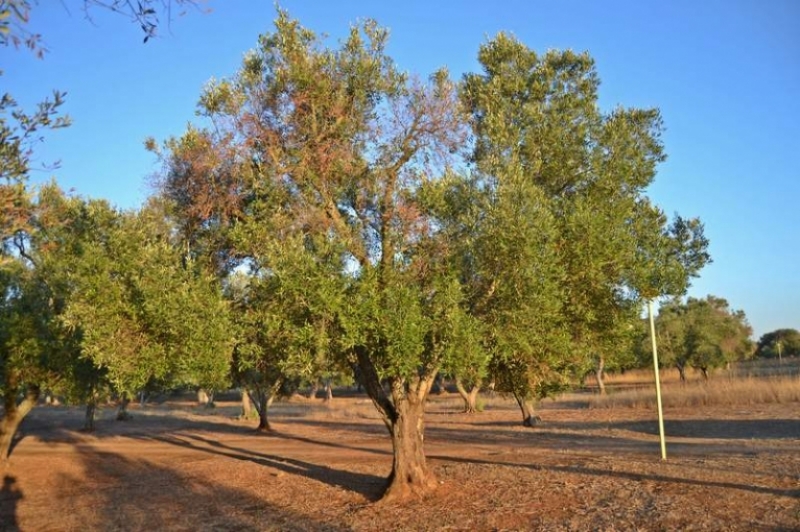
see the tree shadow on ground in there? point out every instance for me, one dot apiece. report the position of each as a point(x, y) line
point(369, 486)
point(762, 429)
point(579, 437)
point(64, 424)
point(10, 495)
point(323, 443)
point(582, 469)
point(199, 434)
point(119, 493)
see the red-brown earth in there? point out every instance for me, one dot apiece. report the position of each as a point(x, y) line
point(177, 466)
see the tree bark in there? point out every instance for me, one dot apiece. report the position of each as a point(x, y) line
point(681, 371)
point(13, 415)
point(599, 375)
point(328, 391)
point(263, 413)
point(205, 398)
point(403, 415)
point(88, 420)
point(262, 401)
point(122, 410)
point(527, 406)
point(470, 396)
point(247, 404)
point(410, 473)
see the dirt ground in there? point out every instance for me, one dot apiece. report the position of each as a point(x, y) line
point(177, 466)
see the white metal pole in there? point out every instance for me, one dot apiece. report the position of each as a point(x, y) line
point(658, 381)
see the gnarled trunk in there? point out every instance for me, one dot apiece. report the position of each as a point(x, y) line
point(470, 396)
point(410, 473)
point(262, 399)
point(599, 375)
point(13, 415)
point(528, 407)
point(403, 413)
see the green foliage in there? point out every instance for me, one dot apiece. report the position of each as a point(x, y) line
point(286, 315)
point(139, 311)
point(702, 333)
point(310, 176)
point(781, 342)
point(568, 243)
point(31, 352)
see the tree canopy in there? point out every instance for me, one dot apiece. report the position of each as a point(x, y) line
point(703, 334)
point(779, 343)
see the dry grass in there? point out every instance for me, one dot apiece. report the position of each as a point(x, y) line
point(715, 391)
point(748, 368)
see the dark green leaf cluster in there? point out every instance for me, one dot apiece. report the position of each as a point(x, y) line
point(779, 343)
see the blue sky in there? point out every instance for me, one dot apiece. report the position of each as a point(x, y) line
point(725, 74)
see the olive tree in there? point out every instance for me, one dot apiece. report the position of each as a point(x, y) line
point(703, 334)
point(577, 177)
point(333, 144)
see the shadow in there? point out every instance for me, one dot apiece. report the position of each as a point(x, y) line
point(375, 429)
point(369, 486)
point(331, 444)
point(64, 424)
point(18, 437)
point(760, 429)
point(636, 477)
point(119, 493)
point(550, 435)
point(10, 496)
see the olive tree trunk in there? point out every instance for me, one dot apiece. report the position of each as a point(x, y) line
point(247, 404)
point(470, 396)
point(681, 371)
point(205, 397)
point(13, 415)
point(312, 392)
point(262, 398)
point(402, 410)
point(528, 407)
point(122, 409)
point(89, 415)
point(328, 392)
point(599, 375)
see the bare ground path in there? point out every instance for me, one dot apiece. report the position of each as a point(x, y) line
point(179, 467)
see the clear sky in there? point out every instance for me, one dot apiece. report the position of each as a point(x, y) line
point(725, 74)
